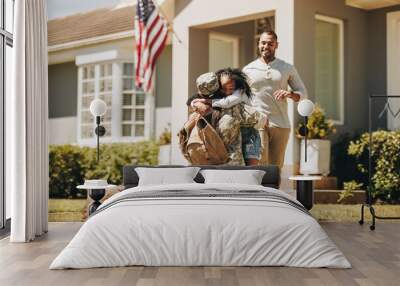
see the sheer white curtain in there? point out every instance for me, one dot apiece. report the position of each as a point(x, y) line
point(28, 123)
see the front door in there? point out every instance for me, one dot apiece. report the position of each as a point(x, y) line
point(223, 51)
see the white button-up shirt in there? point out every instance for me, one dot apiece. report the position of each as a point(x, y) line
point(265, 79)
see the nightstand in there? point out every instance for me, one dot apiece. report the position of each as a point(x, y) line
point(96, 192)
point(304, 189)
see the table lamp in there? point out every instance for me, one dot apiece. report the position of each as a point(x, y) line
point(98, 108)
point(305, 109)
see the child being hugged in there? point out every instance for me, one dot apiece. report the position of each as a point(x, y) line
point(237, 96)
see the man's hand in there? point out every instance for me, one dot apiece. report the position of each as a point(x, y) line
point(281, 94)
point(266, 125)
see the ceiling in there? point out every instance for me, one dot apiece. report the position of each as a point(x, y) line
point(372, 4)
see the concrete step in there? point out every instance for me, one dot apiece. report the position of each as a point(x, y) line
point(326, 183)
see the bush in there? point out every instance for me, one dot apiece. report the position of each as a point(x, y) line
point(385, 158)
point(70, 165)
point(66, 171)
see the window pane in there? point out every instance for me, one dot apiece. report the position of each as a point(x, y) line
point(127, 99)
point(88, 87)
point(87, 117)
point(84, 72)
point(9, 15)
point(139, 115)
point(107, 98)
point(107, 116)
point(128, 69)
point(128, 84)
point(127, 115)
point(88, 72)
point(105, 85)
point(105, 70)
point(86, 100)
point(139, 130)
point(327, 68)
point(87, 131)
point(126, 130)
point(108, 130)
point(140, 98)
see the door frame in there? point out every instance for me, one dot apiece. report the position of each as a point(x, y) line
point(392, 60)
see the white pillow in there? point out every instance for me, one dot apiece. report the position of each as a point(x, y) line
point(248, 177)
point(165, 176)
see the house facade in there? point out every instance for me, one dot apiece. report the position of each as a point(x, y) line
point(91, 55)
point(343, 51)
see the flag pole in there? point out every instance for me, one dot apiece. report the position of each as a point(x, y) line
point(168, 22)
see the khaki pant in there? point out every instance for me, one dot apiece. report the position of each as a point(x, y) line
point(273, 143)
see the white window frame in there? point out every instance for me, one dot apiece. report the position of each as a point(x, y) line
point(133, 106)
point(117, 97)
point(340, 24)
point(228, 38)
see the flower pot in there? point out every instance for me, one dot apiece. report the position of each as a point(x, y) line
point(318, 157)
point(164, 155)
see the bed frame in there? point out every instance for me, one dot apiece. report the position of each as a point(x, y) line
point(271, 178)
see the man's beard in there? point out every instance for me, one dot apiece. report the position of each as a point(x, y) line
point(268, 56)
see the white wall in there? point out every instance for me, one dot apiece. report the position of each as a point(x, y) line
point(62, 130)
point(163, 120)
point(197, 13)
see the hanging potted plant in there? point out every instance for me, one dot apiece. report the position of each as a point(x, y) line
point(318, 146)
point(164, 142)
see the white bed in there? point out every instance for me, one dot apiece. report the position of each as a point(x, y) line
point(245, 225)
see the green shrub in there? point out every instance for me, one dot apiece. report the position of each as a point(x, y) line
point(114, 156)
point(70, 165)
point(349, 188)
point(385, 158)
point(66, 171)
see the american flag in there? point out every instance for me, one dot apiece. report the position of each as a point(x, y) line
point(151, 31)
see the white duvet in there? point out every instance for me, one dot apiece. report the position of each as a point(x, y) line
point(185, 231)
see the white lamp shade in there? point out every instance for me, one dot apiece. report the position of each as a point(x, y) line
point(98, 107)
point(305, 107)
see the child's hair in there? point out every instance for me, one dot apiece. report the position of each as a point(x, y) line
point(239, 77)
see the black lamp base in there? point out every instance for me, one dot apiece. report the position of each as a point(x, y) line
point(96, 195)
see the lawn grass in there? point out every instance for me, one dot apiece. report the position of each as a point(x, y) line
point(349, 213)
point(62, 210)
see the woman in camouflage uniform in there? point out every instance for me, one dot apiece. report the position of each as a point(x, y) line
point(232, 99)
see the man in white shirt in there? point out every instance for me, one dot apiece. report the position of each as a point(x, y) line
point(270, 78)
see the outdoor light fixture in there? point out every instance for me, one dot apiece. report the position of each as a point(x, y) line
point(305, 108)
point(98, 108)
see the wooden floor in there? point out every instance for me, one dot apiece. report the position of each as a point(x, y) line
point(375, 257)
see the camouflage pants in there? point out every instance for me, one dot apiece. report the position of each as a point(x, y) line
point(228, 129)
